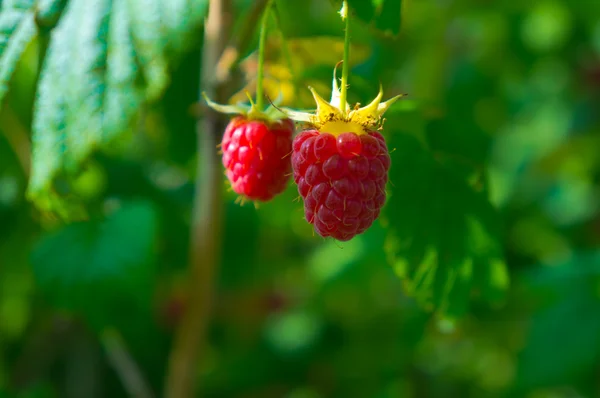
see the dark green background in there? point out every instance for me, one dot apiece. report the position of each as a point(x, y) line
point(495, 177)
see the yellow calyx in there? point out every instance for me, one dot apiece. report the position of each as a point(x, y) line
point(337, 127)
point(329, 118)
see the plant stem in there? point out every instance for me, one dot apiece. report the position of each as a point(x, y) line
point(261, 58)
point(124, 365)
point(205, 238)
point(345, 66)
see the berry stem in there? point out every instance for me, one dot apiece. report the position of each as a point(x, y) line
point(345, 67)
point(261, 57)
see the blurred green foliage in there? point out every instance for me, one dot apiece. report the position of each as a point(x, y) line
point(495, 171)
point(89, 259)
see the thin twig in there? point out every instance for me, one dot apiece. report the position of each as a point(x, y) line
point(205, 244)
point(124, 365)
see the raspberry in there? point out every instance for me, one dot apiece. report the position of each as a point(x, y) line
point(341, 165)
point(255, 156)
point(341, 179)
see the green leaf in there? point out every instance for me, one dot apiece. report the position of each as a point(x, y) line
point(17, 30)
point(382, 15)
point(149, 43)
point(48, 12)
point(105, 59)
point(444, 235)
point(93, 267)
point(180, 20)
point(564, 335)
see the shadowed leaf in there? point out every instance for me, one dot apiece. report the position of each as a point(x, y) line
point(94, 267)
point(444, 237)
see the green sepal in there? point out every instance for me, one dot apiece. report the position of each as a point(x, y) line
point(272, 114)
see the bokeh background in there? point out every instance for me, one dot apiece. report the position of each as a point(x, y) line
point(506, 93)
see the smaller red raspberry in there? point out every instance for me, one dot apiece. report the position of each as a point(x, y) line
point(255, 156)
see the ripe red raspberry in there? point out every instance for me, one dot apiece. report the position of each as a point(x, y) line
point(341, 179)
point(255, 156)
point(341, 165)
